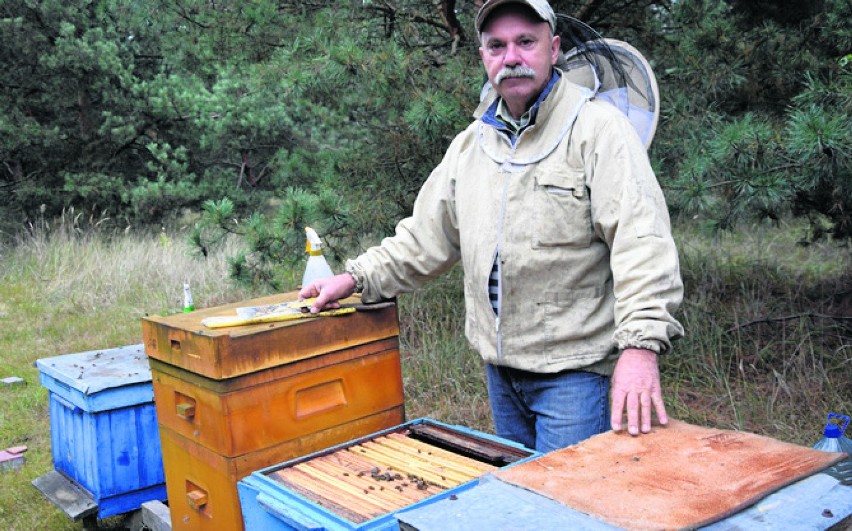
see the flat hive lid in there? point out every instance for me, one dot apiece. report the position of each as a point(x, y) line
point(679, 476)
point(122, 373)
point(183, 341)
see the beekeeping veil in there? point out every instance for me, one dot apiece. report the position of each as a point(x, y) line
point(614, 70)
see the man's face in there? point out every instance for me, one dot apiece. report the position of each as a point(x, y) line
point(518, 53)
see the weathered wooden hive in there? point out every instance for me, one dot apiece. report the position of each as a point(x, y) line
point(103, 432)
point(234, 400)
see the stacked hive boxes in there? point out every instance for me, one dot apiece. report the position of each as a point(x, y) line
point(234, 400)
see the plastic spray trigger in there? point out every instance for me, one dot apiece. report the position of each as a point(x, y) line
point(316, 267)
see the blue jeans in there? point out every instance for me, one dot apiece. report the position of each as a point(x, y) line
point(547, 411)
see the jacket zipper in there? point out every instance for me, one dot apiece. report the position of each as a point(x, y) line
point(505, 173)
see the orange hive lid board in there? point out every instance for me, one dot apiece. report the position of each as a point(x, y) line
point(678, 476)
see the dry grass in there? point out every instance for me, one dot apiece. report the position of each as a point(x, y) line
point(444, 378)
point(769, 322)
point(67, 289)
point(768, 350)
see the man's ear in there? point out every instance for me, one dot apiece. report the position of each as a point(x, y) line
point(555, 49)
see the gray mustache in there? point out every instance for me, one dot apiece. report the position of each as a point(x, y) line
point(514, 71)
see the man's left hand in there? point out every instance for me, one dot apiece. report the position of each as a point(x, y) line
point(636, 386)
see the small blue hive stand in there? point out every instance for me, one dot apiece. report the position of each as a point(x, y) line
point(103, 431)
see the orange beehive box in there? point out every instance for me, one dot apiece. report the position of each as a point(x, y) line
point(261, 409)
point(234, 400)
point(183, 341)
point(202, 485)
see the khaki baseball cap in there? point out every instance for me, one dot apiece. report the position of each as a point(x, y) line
point(540, 7)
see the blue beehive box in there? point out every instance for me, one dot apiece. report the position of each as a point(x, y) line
point(103, 426)
point(363, 484)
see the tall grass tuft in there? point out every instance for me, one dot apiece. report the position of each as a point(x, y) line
point(769, 333)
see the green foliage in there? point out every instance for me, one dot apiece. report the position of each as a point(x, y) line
point(328, 115)
point(759, 115)
point(379, 122)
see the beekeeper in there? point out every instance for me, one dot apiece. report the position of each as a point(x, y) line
point(571, 275)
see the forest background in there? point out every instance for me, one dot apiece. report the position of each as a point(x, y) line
point(146, 142)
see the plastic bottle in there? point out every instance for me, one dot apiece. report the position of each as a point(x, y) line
point(188, 306)
point(316, 267)
point(834, 441)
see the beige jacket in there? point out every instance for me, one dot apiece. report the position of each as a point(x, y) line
point(589, 266)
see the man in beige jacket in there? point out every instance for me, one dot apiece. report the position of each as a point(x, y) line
point(571, 275)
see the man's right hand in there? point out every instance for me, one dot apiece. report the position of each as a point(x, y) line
point(328, 291)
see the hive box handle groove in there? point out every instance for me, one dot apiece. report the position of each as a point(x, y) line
point(66, 404)
point(295, 519)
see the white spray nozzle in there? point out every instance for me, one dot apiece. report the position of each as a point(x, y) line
point(313, 243)
point(316, 267)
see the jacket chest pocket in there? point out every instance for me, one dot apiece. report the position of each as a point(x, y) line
point(561, 209)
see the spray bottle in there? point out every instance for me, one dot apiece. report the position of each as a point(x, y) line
point(834, 441)
point(188, 305)
point(317, 267)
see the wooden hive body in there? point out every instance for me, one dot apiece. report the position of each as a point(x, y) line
point(103, 426)
point(234, 400)
point(240, 415)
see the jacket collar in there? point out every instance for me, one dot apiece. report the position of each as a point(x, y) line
point(556, 110)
